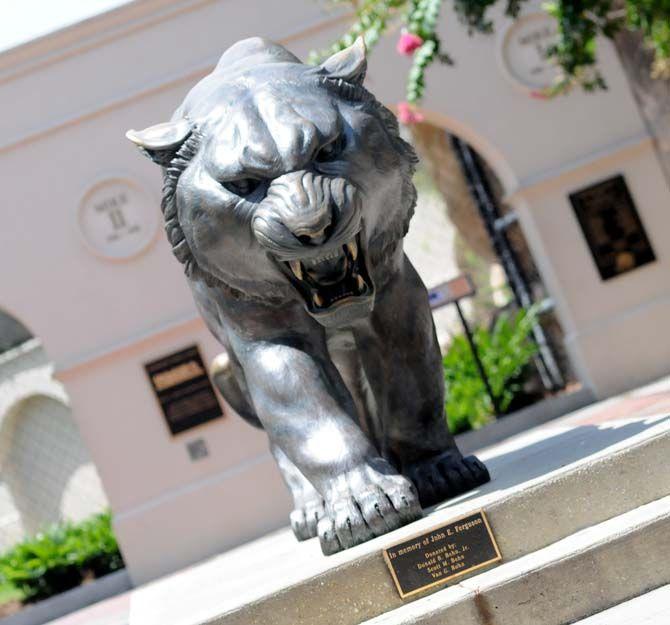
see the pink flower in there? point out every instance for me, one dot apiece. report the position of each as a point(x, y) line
point(408, 43)
point(539, 95)
point(407, 115)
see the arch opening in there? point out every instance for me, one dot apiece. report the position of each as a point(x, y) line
point(46, 474)
point(463, 226)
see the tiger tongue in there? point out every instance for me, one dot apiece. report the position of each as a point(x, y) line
point(329, 271)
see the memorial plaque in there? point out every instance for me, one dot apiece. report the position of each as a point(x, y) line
point(612, 227)
point(525, 48)
point(117, 219)
point(442, 554)
point(183, 389)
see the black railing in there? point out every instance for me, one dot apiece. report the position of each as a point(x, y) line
point(496, 227)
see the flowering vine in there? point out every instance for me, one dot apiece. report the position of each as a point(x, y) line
point(580, 22)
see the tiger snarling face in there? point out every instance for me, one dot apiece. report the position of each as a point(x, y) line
point(286, 181)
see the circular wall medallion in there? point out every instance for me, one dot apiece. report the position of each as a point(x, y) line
point(117, 219)
point(524, 51)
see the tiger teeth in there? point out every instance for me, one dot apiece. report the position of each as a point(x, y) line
point(353, 249)
point(330, 256)
point(296, 268)
point(360, 283)
point(310, 262)
point(317, 299)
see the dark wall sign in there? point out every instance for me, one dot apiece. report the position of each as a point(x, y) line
point(451, 291)
point(183, 389)
point(612, 227)
point(443, 553)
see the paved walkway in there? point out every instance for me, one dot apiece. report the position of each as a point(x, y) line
point(652, 608)
point(207, 587)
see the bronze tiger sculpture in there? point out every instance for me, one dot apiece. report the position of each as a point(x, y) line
point(287, 194)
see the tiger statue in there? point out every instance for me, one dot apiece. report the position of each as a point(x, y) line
point(287, 193)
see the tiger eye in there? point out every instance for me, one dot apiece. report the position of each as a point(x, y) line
point(331, 151)
point(242, 187)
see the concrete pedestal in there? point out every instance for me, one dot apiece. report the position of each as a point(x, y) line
point(579, 507)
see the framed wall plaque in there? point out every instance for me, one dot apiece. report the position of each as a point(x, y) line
point(183, 389)
point(612, 227)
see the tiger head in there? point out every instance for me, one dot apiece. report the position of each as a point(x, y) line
point(285, 181)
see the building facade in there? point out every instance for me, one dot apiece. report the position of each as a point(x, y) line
point(87, 269)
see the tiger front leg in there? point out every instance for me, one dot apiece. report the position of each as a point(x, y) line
point(404, 366)
point(310, 417)
point(308, 504)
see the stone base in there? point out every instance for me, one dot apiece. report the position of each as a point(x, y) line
point(586, 572)
point(579, 508)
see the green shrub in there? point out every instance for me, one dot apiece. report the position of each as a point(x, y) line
point(506, 351)
point(59, 558)
point(100, 551)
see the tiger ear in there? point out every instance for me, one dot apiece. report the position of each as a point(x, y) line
point(349, 64)
point(162, 141)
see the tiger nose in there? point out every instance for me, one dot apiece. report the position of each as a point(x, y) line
point(312, 236)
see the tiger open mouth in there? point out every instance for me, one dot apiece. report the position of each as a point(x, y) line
point(334, 279)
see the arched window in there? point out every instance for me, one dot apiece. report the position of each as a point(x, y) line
point(46, 474)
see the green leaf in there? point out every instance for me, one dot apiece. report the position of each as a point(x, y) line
point(506, 352)
point(56, 559)
point(580, 23)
